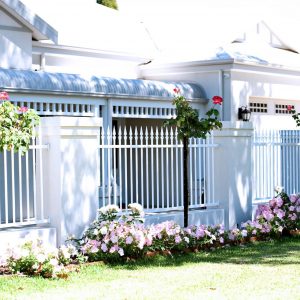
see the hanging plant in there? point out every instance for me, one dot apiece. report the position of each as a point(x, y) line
point(16, 125)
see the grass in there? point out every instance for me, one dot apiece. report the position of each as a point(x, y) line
point(265, 270)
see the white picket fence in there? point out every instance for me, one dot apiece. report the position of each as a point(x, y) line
point(21, 187)
point(276, 162)
point(145, 165)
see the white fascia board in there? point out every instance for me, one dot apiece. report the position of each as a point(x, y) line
point(266, 68)
point(187, 64)
point(41, 29)
point(49, 49)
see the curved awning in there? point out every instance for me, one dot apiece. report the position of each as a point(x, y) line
point(44, 82)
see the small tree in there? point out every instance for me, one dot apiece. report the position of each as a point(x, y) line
point(189, 125)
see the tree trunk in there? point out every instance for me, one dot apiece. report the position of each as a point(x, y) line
point(185, 182)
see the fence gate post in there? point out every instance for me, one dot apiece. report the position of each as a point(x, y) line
point(70, 170)
point(233, 171)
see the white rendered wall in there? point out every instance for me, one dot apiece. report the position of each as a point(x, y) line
point(15, 44)
point(271, 87)
point(71, 173)
point(233, 171)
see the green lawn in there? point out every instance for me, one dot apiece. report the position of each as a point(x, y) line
point(266, 270)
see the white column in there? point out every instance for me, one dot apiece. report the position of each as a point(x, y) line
point(71, 173)
point(233, 171)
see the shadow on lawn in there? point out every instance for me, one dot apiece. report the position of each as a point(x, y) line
point(275, 252)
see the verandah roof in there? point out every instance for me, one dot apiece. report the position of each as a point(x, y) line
point(61, 83)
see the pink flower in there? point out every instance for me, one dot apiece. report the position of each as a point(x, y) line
point(129, 240)
point(221, 240)
point(291, 208)
point(279, 202)
point(4, 96)
point(280, 213)
point(217, 100)
point(289, 107)
point(293, 198)
point(104, 248)
point(23, 109)
point(177, 239)
point(254, 232)
point(176, 90)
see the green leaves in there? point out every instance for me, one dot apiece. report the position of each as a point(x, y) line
point(16, 127)
point(187, 121)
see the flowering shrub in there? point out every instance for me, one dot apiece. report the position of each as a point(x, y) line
point(112, 236)
point(16, 125)
point(281, 214)
point(32, 257)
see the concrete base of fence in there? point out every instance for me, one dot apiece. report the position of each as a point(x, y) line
point(12, 236)
point(196, 217)
point(70, 173)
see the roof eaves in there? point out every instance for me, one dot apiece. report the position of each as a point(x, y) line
point(39, 27)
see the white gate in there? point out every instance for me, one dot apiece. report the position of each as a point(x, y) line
point(145, 165)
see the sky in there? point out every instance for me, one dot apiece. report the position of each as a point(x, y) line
point(175, 24)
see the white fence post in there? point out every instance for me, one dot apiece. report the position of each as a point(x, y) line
point(233, 171)
point(71, 173)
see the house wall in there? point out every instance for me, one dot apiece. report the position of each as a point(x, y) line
point(267, 87)
point(15, 43)
point(215, 80)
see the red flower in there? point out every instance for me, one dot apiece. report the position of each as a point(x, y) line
point(289, 107)
point(4, 96)
point(23, 109)
point(217, 100)
point(176, 90)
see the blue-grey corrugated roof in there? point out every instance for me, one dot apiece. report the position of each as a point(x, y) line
point(104, 86)
point(40, 27)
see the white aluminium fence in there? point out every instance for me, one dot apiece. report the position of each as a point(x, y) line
point(21, 187)
point(276, 162)
point(145, 165)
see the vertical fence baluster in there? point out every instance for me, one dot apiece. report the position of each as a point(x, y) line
point(136, 166)
point(20, 187)
point(109, 165)
point(142, 169)
point(167, 167)
point(120, 167)
point(125, 169)
point(12, 164)
point(5, 186)
point(114, 167)
point(131, 172)
point(157, 169)
point(152, 166)
point(172, 166)
point(147, 168)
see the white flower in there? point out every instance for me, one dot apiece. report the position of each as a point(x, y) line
point(96, 231)
point(109, 209)
point(103, 230)
point(121, 252)
point(244, 233)
point(278, 189)
point(186, 239)
point(53, 262)
point(41, 257)
point(136, 208)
